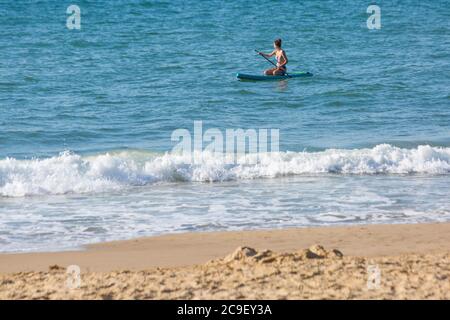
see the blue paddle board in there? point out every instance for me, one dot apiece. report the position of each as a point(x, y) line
point(251, 77)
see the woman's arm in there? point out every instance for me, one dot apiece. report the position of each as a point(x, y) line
point(267, 55)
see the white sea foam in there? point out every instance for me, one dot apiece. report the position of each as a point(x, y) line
point(72, 173)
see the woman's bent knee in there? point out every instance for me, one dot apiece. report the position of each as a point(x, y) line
point(278, 72)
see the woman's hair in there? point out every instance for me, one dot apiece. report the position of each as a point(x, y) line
point(277, 42)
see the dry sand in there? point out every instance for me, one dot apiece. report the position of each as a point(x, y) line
point(383, 261)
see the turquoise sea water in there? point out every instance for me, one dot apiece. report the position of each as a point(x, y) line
point(87, 116)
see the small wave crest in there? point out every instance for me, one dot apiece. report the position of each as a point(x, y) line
point(72, 173)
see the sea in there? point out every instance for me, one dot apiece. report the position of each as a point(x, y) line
point(91, 93)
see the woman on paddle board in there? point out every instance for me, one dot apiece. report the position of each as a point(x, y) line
point(282, 60)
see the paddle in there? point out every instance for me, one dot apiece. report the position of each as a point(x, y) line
point(287, 74)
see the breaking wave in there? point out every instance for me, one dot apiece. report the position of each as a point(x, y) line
point(72, 173)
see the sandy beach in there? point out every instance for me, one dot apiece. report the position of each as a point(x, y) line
point(374, 262)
